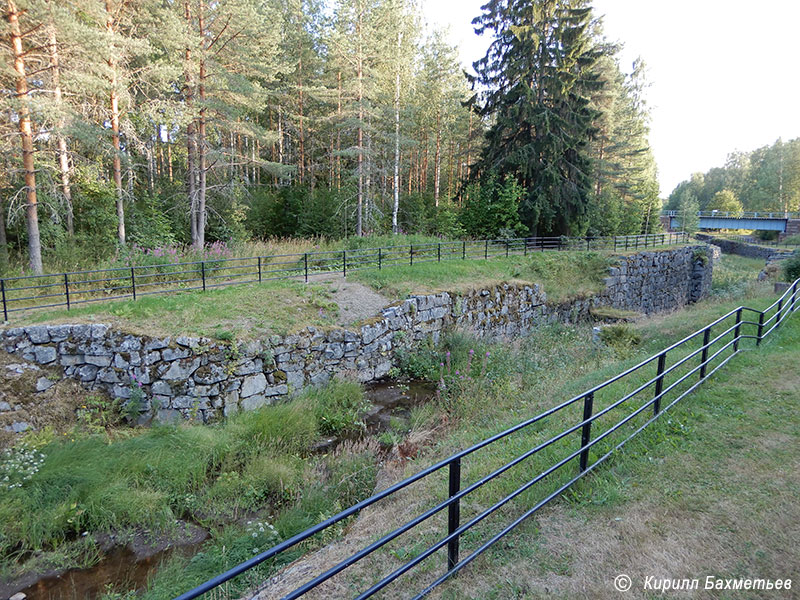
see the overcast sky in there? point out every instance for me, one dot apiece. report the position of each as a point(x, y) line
point(724, 73)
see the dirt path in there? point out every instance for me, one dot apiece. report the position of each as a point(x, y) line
point(356, 301)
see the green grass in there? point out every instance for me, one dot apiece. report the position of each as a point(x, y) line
point(711, 489)
point(562, 275)
point(249, 311)
point(534, 374)
point(255, 464)
point(736, 277)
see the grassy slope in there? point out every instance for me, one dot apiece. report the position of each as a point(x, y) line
point(562, 275)
point(248, 311)
point(711, 491)
point(256, 465)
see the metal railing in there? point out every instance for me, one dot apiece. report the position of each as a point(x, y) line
point(737, 215)
point(81, 287)
point(755, 241)
point(641, 393)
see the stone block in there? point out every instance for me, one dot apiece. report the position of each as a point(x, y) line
point(45, 354)
point(254, 384)
point(43, 384)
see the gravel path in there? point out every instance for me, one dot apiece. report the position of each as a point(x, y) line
point(356, 301)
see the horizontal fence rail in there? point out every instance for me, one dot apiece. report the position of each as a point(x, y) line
point(600, 421)
point(737, 215)
point(73, 289)
point(749, 239)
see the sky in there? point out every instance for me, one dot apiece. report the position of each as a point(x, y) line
point(723, 73)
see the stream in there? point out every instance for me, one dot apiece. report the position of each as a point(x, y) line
point(122, 569)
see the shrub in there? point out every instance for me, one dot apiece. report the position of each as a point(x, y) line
point(791, 267)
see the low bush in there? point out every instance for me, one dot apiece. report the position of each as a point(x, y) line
point(791, 268)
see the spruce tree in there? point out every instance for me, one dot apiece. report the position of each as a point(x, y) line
point(539, 74)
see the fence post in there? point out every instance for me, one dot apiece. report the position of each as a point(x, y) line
point(760, 328)
point(5, 306)
point(259, 269)
point(541, 244)
point(203, 274)
point(464, 250)
point(453, 513)
point(66, 291)
point(506, 248)
point(133, 283)
point(586, 430)
point(411, 255)
point(587, 242)
point(439, 252)
point(344, 263)
point(778, 317)
point(486, 251)
point(305, 265)
point(645, 241)
point(627, 237)
point(615, 243)
point(662, 359)
point(380, 259)
point(704, 355)
point(794, 296)
point(737, 330)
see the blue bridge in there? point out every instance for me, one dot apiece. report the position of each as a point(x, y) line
point(783, 222)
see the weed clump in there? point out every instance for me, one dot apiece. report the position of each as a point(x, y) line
point(621, 337)
point(339, 408)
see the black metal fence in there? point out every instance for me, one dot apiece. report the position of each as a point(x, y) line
point(604, 418)
point(82, 287)
point(749, 239)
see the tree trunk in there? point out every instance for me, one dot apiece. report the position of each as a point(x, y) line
point(201, 140)
point(396, 183)
point(339, 134)
point(3, 240)
point(437, 160)
point(301, 164)
point(114, 102)
point(26, 136)
point(191, 142)
point(360, 75)
point(450, 171)
point(61, 141)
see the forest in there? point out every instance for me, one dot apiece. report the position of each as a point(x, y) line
point(766, 179)
point(177, 124)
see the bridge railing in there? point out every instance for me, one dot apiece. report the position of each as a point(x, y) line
point(720, 214)
point(77, 288)
point(553, 451)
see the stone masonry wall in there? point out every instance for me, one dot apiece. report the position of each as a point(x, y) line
point(744, 249)
point(185, 377)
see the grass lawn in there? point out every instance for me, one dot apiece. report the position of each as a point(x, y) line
point(248, 311)
point(561, 274)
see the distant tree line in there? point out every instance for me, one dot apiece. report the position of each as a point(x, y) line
point(184, 122)
point(764, 180)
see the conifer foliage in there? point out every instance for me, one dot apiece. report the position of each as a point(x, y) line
point(186, 122)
